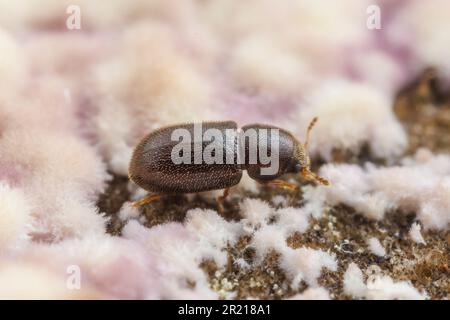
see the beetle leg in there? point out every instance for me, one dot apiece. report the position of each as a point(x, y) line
point(221, 199)
point(311, 176)
point(146, 199)
point(279, 184)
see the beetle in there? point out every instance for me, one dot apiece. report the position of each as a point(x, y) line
point(152, 165)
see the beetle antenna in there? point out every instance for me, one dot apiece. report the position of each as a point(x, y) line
point(308, 132)
point(306, 172)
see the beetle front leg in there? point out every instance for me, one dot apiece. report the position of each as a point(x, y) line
point(146, 199)
point(221, 199)
point(311, 176)
point(279, 184)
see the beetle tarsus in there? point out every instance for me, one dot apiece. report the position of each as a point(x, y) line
point(311, 176)
point(279, 184)
point(145, 200)
point(221, 199)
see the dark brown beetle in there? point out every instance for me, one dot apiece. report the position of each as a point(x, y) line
point(153, 169)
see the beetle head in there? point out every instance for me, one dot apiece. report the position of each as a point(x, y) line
point(303, 164)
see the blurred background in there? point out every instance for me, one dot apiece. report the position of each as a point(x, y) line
point(135, 65)
point(82, 81)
